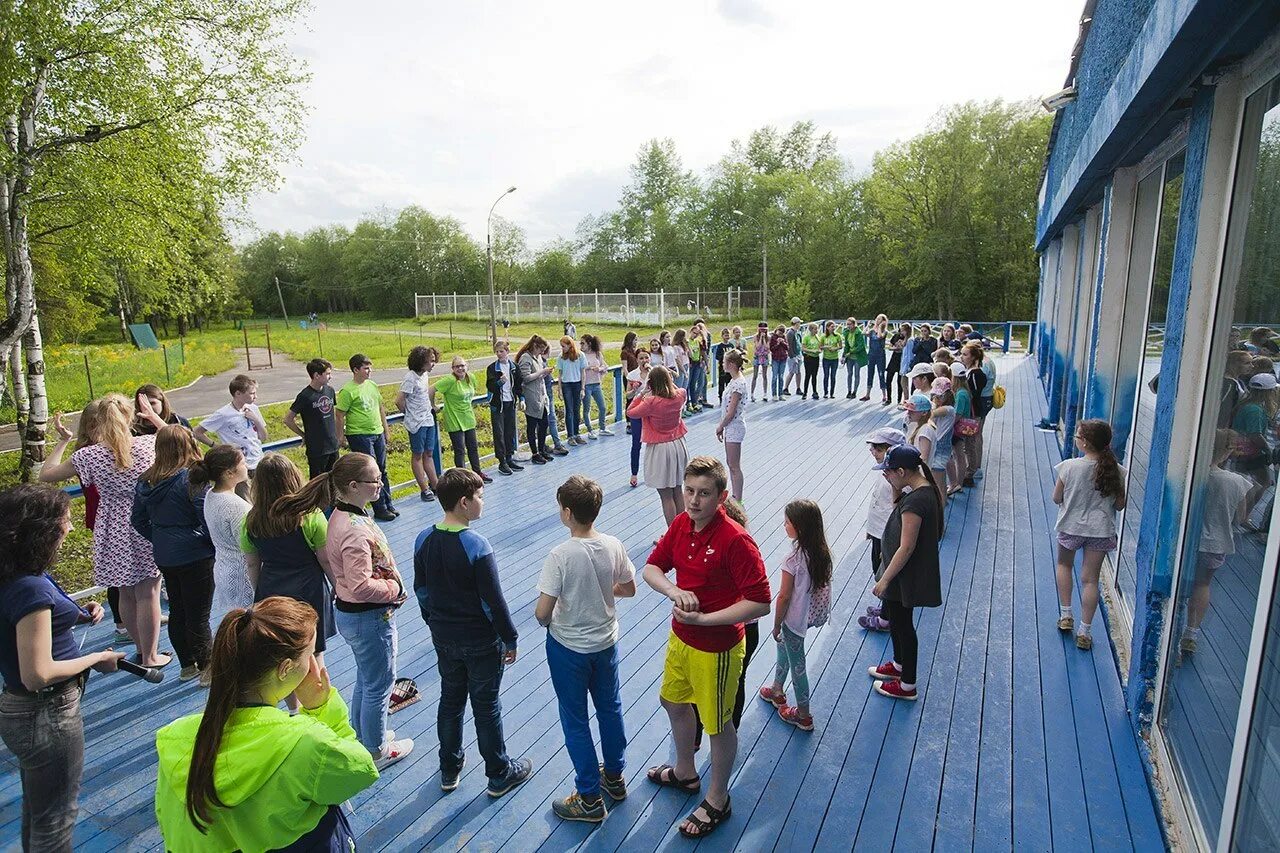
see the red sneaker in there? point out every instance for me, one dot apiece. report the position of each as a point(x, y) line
point(895, 690)
point(791, 714)
point(885, 672)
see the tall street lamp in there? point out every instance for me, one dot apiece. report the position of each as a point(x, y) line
point(488, 248)
point(764, 243)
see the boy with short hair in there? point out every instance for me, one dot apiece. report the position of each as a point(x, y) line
point(580, 581)
point(455, 578)
point(238, 423)
point(362, 426)
point(319, 430)
point(503, 382)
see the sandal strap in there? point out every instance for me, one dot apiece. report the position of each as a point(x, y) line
point(715, 817)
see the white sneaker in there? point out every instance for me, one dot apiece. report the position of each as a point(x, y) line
point(607, 431)
point(592, 436)
point(395, 750)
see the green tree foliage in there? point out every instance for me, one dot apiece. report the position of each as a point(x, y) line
point(796, 301)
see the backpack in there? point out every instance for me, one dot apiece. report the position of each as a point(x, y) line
point(997, 398)
point(819, 607)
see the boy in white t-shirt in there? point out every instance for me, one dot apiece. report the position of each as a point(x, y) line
point(238, 423)
point(581, 579)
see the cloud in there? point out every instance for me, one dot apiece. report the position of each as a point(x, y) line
point(751, 12)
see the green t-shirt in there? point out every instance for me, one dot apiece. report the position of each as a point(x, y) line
point(810, 344)
point(831, 346)
point(315, 529)
point(362, 406)
point(459, 414)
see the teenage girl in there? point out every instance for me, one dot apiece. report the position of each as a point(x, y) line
point(811, 349)
point(910, 576)
point(367, 591)
point(152, 396)
point(573, 367)
point(879, 509)
point(876, 356)
point(658, 406)
point(900, 346)
point(284, 778)
point(169, 511)
point(760, 360)
point(921, 433)
point(458, 389)
point(597, 367)
point(1089, 492)
point(943, 419)
point(537, 402)
point(958, 473)
point(778, 352)
point(680, 344)
point(223, 468)
point(636, 379)
point(732, 429)
point(831, 345)
point(806, 573)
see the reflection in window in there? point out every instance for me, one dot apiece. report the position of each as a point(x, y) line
point(1144, 417)
point(1226, 539)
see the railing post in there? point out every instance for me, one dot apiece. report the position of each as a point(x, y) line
point(619, 383)
point(1008, 329)
point(270, 360)
point(566, 304)
point(248, 360)
point(626, 303)
point(597, 303)
point(540, 314)
point(319, 341)
point(88, 376)
point(168, 380)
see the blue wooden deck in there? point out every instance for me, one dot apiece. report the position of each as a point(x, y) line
point(1019, 738)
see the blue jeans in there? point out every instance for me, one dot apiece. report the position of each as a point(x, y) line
point(45, 733)
point(572, 407)
point(375, 446)
point(477, 673)
point(574, 675)
point(553, 427)
point(875, 367)
point(636, 430)
point(593, 393)
point(779, 371)
point(697, 383)
point(853, 377)
point(372, 636)
point(829, 367)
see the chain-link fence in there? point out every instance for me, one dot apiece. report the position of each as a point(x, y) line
point(650, 308)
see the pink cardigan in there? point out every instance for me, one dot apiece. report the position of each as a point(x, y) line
point(659, 417)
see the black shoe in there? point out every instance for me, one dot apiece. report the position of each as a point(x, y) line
point(848, 396)
point(485, 478)
point(449, 781)
point(382, 515)
point(560, 451)
point(427, 496)
point(504, 470)
point(395, 512)
point(539, 460)
point(521, 769)
point(511, 463)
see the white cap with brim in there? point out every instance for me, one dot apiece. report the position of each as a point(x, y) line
point(921, 369)
point(887, 435)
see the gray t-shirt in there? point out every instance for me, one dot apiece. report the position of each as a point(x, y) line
point(1084, 511)
point(1222, 497)
point(417, 401)
point(580, 574)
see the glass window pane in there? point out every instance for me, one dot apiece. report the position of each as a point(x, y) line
point(1144, 417)
point(1226, 538)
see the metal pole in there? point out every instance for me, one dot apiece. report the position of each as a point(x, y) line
point(319, 341)
point(764, 296)
point(399, 345)
point(270, 360)
point(281, 295)
point(488, 247)
point(248, 360)
point(88, 376)
point(168, 380)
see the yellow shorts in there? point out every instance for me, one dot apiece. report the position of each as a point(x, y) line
point(707, 680)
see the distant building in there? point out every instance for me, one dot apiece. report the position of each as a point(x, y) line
point(1159, 234)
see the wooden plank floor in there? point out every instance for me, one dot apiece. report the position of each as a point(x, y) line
point(1019, 740)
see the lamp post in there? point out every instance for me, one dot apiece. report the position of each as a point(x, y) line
point(488, 248)
point(280, 294)
point(764, 243)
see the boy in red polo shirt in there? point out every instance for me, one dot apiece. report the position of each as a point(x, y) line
point(720, 584)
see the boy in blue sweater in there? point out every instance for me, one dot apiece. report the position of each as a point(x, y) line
point(455, 578)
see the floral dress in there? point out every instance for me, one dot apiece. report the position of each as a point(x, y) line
point(121, 555)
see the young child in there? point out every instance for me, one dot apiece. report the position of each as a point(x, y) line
point(1089, 491)
point(1224, 501)
point(878, 512)
point(239, 423)
point(921, 432)
point(760, 360)
point(732, 429)
point(580, 581)
point(455, 578)
point(943, 418)
point(806, 573)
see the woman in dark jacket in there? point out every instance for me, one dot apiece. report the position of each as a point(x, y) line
point(926, 346)
point(909, 575)
point(167, 513)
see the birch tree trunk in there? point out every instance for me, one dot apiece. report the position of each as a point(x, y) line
point(17, 387)
point(33, 436)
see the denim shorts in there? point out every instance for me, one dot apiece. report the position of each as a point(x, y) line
point(1088, 543)
point(423, 440)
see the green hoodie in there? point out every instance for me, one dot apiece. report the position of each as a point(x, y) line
point(277, 774)
point(855, 345)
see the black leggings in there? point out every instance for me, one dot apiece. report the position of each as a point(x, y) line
point(464, 445)
point(113, 601)
point(810, 373)
point(906, 646)
point(536, 432)
point(190, 597)
point(753, 641)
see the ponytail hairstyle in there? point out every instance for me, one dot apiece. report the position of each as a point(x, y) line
point(591, 343)
point(220, 459)
point(114, 429)
point(1096, 433)
point(322, 492)
point(88, 424)
point(735, 358)
point(249, 644)
point(806, 517)
point(176, 449)
point(734, 510)
point(572, 347)
point(536, 344)
point(275, 477)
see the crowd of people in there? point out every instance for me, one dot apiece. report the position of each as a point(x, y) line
point(263, 567)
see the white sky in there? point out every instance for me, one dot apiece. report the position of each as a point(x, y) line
point(445, 104)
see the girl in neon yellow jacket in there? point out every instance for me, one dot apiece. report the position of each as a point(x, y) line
point(244, 775)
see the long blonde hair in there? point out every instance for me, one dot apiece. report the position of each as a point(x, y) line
point(114, 429)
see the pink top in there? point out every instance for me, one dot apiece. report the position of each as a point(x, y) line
point(595, 368)
point(659, 417)
point(364, 571)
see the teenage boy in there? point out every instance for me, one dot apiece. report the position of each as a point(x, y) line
point(581, 579)
point(238, 423)
point(794, 360)
point(319, 430)
point(501, 378)
point(717, 355)
point(455, 577)
point(362, 426)
point(414, 400)
point(720, 584)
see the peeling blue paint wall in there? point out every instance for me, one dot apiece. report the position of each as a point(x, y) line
point(1162, 508)
point(1097, 383)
